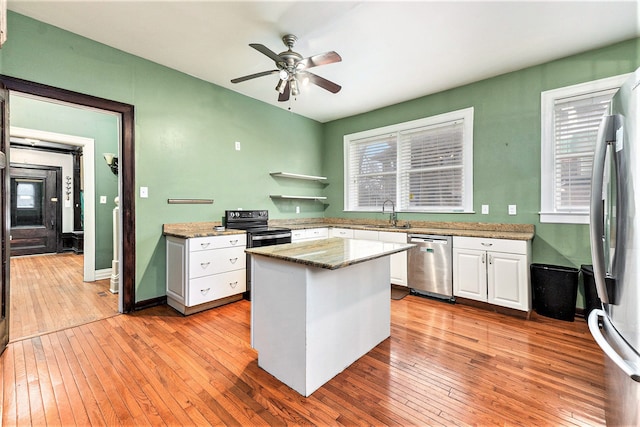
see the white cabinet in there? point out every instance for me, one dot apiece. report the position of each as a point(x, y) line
point(399, 260)
point(309, 234)
point(492, 270)
point(204, 272)
point(345, 233)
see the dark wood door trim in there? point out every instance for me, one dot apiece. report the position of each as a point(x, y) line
point(126, 165)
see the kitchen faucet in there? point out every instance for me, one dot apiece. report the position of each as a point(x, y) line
point(393, 217)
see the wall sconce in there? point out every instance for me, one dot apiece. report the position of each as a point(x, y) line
point(112, 162)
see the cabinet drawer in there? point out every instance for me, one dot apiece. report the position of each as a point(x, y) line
point(209, 288)
point(495, 245)
point(345, 233)
point(317, 233)
point(203, 263)
point(215, 242)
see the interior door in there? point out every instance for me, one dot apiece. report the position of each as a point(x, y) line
point(34, 209)
point(4, 219)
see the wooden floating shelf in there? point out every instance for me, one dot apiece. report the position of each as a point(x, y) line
point(282, 196)
point(299, 176)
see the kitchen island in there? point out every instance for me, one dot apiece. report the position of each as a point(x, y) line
point(319, 306)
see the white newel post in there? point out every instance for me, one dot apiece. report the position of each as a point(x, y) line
point(115, 271)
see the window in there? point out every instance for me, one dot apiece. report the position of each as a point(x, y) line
point(570, 120)
point(424, 165)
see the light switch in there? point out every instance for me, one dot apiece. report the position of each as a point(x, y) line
point(144, 192)
point(103, 200)
point(512, 209)
point(485, 209)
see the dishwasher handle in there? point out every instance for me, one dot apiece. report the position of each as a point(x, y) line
point(428, 239)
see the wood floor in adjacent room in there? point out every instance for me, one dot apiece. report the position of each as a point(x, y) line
point(443, 365)
point(47, 294)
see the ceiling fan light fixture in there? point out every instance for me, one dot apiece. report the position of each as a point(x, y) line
point(305, 81)
point(281, 85)
point(284, 75)
point(294, 87)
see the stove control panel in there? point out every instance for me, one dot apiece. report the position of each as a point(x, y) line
point(246, 215)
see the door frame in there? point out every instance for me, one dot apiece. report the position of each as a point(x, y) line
point(126, 170)
point(88, 149)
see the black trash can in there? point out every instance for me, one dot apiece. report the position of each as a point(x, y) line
point(555, 290)
point(591, 300)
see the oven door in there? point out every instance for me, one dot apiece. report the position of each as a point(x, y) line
point(270, 239)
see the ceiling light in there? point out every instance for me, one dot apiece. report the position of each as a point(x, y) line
point(284, 75)
point(281, 85)
point(294, 87)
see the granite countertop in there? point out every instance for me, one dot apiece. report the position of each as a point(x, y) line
point(466, 229)
point(330, 253)
point(442, 228)
point(188, 230)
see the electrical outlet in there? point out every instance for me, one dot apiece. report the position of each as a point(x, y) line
point(297, 209)
point(237, 145)
point(512, 209)
point(144, 192)
point(103, 200)
point(485, 209)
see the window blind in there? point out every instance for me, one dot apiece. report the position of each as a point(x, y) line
point(372, 171)
point(432, 167)
point(576, 122)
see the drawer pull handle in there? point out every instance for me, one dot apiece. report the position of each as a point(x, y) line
point(204, 264)
point(233, 260)
point(205, 291)
point(233, 284)
point(486, 244)
point(205, 245)
point(233, 242)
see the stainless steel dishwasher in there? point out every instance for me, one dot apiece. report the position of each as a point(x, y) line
point(430, 267)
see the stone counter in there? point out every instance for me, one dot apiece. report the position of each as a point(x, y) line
point(465, 229)
point(332, 253)
point(188, 230)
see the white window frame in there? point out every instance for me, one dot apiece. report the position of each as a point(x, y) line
point(465, 115)
point(548, 211)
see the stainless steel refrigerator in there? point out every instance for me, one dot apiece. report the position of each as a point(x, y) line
point(615, 253)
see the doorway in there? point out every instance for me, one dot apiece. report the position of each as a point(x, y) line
point(35, 213)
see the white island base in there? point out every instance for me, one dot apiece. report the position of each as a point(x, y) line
point(308, 324)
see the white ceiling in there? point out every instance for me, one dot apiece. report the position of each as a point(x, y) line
point(392, 51)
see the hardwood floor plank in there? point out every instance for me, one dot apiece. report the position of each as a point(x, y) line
point(443, 365)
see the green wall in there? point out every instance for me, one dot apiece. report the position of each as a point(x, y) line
point(103, 128)
point(186, 128)
point(506, 145)
point(185, 131)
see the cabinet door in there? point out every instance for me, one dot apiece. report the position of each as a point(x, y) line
point(508, 283)
point(470, 274)
point(399, 260)
point(365, 234)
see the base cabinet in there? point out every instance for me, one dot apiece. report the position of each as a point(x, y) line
point(492, 270)
point(205, 272)
point(307, 234)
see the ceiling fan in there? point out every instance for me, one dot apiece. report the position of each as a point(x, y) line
point(292, 69)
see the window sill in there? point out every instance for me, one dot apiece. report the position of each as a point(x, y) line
point(564, 218)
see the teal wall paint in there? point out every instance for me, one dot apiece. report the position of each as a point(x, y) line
point(103, 128)
point(506, 145)
point(185, 131)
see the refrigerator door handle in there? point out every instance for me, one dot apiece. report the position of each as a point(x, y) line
point(594, 327)
point(606, 134)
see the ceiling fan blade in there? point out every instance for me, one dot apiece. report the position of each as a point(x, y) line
point(266, 51)
point(322, 82)
point(284, 96)
point(253, 76)
point(321, 59)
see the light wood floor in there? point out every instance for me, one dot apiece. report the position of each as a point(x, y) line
point(47, 294)
point(443, 365)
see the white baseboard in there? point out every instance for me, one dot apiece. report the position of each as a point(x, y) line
point(105, 273)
